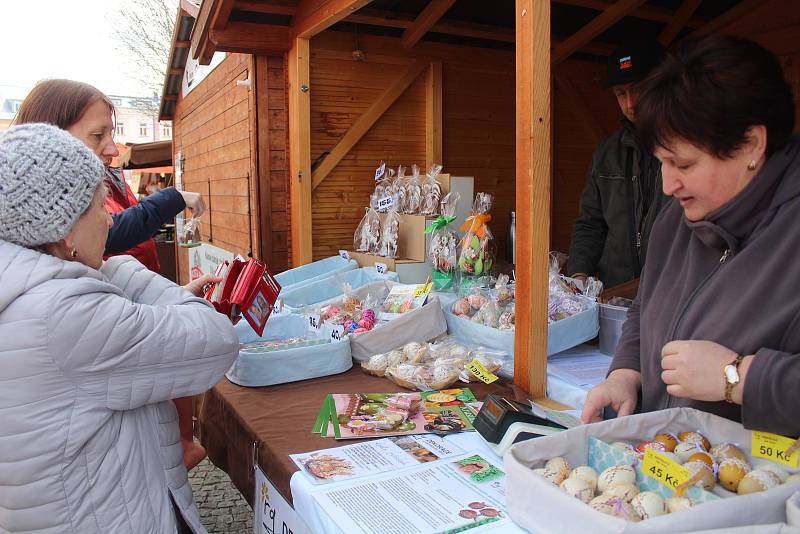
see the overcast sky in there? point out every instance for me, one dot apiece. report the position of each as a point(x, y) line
point(64, 39)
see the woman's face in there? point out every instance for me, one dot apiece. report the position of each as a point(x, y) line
point(700, 181)
point(96, 129)
point(89, 233)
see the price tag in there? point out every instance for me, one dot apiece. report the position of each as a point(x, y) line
point(380, 171)
point(337, 331)
point(481, 372)
point(667, 471)
point(278, 306)
point(344, 254)
point(423, 289)
point(385, 203)
point(773, 447)
point(313, 322)
point(381, 268)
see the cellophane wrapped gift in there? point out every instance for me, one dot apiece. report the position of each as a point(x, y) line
point(189, 236)
point(477, 252)
point(390, 232)
point(413, 192)
point(367, 237)
point(443, 246)
point(431, 191)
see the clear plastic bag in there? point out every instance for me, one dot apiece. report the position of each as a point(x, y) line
point(488, 314)
point(413, 189)
point(492, 360)
point(390, 232)
point(564, 300)
point(477, 254)
point(431, 191)
point(189, 236)
point(508, 318)
point(367, 237)
point(443, 246)
point(449, 348)
point(425, 377)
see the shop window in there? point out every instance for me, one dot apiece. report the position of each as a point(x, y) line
point(119, 129)
point(143, 130)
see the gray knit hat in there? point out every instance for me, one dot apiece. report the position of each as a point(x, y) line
point(47, 180)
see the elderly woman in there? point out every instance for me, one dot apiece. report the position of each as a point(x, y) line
point(716, 323)
point(92, 352)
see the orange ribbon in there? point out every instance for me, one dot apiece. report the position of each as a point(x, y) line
point(476, 224)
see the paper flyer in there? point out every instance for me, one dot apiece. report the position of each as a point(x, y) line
point(372, 457)
point(465, 493)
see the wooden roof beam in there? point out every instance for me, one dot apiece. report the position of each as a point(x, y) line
point(729, 17)
point(202, 48)
point(251, 38)
point(315, 16)
point(653, 13)
point(254, 6)
point(190, 7)
point(677, 23)
point(425, 21)
point(598, 25)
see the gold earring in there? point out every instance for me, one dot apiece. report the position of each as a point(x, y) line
point(751, 166)
point(73, 253)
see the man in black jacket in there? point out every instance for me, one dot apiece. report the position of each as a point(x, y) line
point(623, 189)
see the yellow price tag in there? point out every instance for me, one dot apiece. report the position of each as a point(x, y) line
point(663, 469)
point(774, 447)
point(481, 372)
point(423, 289)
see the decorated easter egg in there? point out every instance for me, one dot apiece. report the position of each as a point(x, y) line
point(618, 474)
point(684, 450)
point(668, 440)
point(560, 466)
point(774, 469)
point(702, 456)
point(578, 488)
point(706, 473)
point(678, 504)
point(649, 504)
point(586, 473)
point(625, 492)
point(695, 437)
point(757, 480)
point(731, 471)
point(723, 451)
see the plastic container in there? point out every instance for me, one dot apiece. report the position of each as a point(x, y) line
point(311, 272)
point(300, 296)
point(611, 319)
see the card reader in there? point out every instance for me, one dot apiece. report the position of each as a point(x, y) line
point(502, 422)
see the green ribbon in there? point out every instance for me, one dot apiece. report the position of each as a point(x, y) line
point(439, 223)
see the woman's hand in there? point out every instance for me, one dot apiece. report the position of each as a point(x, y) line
point(696, 369)
point(196, 286)
point(194, 202)
point(619, 391)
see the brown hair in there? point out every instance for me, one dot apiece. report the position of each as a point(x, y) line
point(59, 102)
point(710, 92)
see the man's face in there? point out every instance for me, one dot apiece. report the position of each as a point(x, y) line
point(627, 95)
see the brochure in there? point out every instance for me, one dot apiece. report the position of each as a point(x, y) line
point(372, 457)
point(368, 415)
point(457, 494)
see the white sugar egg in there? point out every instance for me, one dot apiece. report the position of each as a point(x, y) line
point(649, 504)
point(618, 474)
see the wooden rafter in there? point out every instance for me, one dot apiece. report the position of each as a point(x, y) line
point(315, 16)
point(594, 28)
point(362, 125)
point(433, 116)
point(654, 13)
point(425, 21)
point(580, 109)
point(202, 48)
point(534, 164)
point(729, 17)
point(678, 22)
point(190, 7)
point(300, 151)
point(272, 8)
point(222, 16)
point(251, 38)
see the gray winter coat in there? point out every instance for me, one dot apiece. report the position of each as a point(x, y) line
point(731, 279)
point(89, 361)
point(610, 235)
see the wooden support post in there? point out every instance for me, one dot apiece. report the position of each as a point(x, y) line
point(598, 25)
point(678, 22)
point(533, 177)
point(362, 125)
point(424, 21)
point(433, 116)
point(300, 151)
point(580, 109)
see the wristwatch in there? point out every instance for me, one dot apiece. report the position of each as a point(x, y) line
point(732, 377)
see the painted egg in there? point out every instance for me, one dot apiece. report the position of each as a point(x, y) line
point(775, 470)
point(614, 506)
point(621, 445)
point(618, 474)
point(578, 488)
point(549, 476)
point(731, 472)
point(560, 466)
point(626, 492)
point(702, 456)
point(757, 480)
point(669, 441)
point(684, 450)
point(706, 473)
point(649, 504)
point(654, 445)
point(695, 437)
point(678, 504)
point(723, 451)
point(586, 473)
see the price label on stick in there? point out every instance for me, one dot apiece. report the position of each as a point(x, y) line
point(381, 268)
point(774, 447)
point(337, 331)
point(313, 322)
point(423, 289)
point(385, 203)
point(481, 372)
point(380, 171)
point(344, 254)
point(667, 471)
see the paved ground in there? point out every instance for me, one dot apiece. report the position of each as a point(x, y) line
point(222, 508)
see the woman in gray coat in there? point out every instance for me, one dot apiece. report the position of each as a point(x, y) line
point(91, 353)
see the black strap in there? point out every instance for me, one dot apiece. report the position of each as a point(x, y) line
point(631, 213)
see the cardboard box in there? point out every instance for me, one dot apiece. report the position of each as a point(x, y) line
point(409, 271)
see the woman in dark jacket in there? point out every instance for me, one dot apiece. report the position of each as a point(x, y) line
point(716, 323)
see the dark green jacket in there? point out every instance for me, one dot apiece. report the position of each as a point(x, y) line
point(609, 238)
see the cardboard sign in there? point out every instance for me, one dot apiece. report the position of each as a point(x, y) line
point(272, 514)
point(774, 447)
point(663, 469)
point(481, 372)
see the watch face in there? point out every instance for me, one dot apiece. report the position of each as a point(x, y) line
point(731, 374)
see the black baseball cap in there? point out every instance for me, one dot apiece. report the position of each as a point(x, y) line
point(632, 62)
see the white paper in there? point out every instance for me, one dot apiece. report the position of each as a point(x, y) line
point(372, 457)
point(580, 367)
point(272, 513)
point(465, 493)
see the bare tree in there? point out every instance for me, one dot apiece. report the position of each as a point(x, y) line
point(142, 30)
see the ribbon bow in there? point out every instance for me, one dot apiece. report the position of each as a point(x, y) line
point(439, 223)
point(477, 223)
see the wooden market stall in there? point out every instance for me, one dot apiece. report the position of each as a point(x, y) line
point(284, 133)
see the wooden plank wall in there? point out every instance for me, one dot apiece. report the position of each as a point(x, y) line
point(213, 134)
point(478, 129)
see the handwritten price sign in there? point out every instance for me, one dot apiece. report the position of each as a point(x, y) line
point(774, 447)
point(385, 203)
point(481, 372)
point(313, 322)
point(344, 254)
point(663, 469)
point(381, 268)
point(337, 331)
point(423, 289)
point(380, 171)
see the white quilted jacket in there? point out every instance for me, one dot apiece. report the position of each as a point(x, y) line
point(89, 440)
